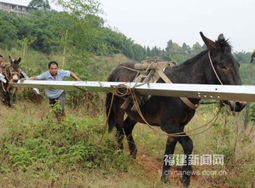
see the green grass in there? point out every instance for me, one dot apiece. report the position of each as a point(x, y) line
point(36, 150)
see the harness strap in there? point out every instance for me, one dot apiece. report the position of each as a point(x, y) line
point(159, 70)
point(184, 99)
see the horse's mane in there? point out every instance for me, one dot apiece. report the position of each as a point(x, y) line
point(193, 59)
point(222, 42)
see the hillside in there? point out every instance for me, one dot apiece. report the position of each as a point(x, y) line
point(38, 151)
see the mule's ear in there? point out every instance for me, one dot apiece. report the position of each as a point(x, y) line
point(221, 37)
point(10, 59)
point(208, 42)
point(19, 60)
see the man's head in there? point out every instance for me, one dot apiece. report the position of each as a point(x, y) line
point(53, 68)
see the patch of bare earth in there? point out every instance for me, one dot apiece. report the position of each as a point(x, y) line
point(153, 168)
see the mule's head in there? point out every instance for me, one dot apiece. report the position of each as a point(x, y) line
point(13, 70)
point(223, 68)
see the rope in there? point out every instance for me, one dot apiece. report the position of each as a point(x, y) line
point(3, 87)
point(131, 69)
point(179, 134)
point(106, 121)
point(216, 74)
point(129, 91)
point(163, 76)
point(6, 74)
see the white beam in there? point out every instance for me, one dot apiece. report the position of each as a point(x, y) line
point(219, 92)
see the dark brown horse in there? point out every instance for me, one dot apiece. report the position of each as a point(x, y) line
point(12, 73)
point(213, 66)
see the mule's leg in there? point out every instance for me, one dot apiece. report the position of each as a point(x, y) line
point(119, 128)
point(128, 128)
point(120, 136)
point(187, 146)
point(7, 99)
point(13, 95)
point(168, 158)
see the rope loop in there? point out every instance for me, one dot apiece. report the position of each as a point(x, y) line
point(122, 90)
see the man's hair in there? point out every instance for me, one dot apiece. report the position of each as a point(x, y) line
point(52, 63)
point(1, 55)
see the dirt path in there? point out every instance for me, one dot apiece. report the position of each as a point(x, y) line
point(152, 169)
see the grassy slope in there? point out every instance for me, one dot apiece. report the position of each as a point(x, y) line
point(36, 150)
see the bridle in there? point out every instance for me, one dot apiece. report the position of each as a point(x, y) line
point(216, 74)
point(214, 70)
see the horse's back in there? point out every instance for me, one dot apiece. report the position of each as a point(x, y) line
point(124, 72)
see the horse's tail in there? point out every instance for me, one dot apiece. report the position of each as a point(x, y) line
point(109, 111)
point(109, 104)
point(112, 103)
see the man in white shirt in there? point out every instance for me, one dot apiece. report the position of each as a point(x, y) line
point(56, 95)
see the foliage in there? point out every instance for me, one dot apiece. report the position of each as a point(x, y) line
point(80, 8)
point(71, 143)
point(39, 4)
point(243, 57)
point(81, 29)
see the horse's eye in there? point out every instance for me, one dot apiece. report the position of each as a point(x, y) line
point(223, 67)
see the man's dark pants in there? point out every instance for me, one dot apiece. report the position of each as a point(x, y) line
point(61, 100)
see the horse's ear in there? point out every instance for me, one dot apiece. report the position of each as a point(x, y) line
point(19, 60)
point(10, 59)
point(221, 37)
point(208, 42)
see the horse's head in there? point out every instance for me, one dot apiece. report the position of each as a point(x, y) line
point(13, 70)
point(223, 68)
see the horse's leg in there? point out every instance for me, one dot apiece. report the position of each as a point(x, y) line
point(168, 158)
point(2, 96)
point(187, 146)
point(7, 99)
point(13, 96)
point(119, 128)
point(128, 128)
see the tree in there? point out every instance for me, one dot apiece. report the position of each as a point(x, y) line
point(80, 8)
point(39, 4)
point(197, 48)
point(243, 57)
point(9, 30)
point(185, 48)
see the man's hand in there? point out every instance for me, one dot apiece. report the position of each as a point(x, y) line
point(32, 78)
point(74, 76)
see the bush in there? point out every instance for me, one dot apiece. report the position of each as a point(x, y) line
point(73, 143)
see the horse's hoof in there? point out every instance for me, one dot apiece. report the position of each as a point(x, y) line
point(185, 181)
point(133, 154)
